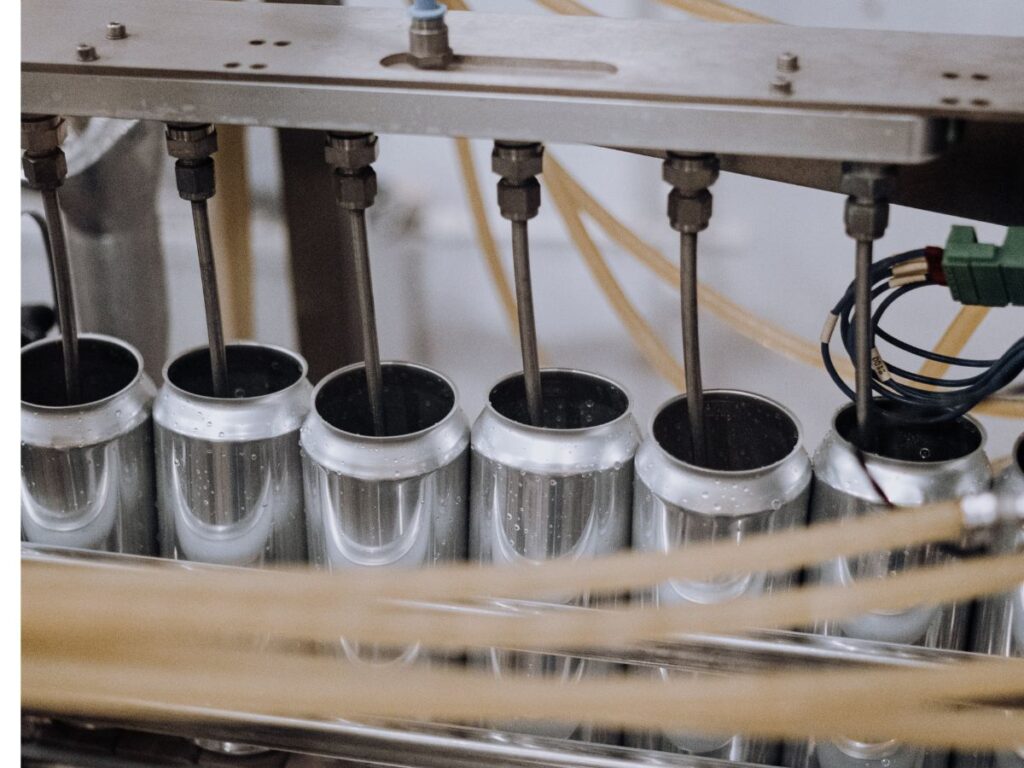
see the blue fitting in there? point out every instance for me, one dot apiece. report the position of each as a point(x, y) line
point(427, 10)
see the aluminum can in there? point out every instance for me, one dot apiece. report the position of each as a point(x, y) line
point(563, 489)
point(911, 465)
point(394, 500)
point(87, 468)
point(229, 476)
point(756, 479)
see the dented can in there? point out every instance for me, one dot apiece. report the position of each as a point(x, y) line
point(911, 465)
point(228, 468)
point(560, 490)
point(756, 479)
point(87, 467)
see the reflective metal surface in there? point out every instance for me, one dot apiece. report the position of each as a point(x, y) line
point(911, 466)
point(756, 479)
point(563, 489)
point(228, 469)
point(87, 470)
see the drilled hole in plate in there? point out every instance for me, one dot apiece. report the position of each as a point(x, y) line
point(979, 76)
point(257, 66)
point(257, 42)
point(951, 75)
point(282, 43)
point(232, 65)
point(980, 102)
point(950, 100)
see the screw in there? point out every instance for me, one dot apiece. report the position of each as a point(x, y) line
point(86, 52)
point(116, 30)
point(787, 62)
point(782, 84)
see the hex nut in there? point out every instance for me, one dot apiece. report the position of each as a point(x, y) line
point(350, 152)
point(195, 180)
point(865, 220)
point(191, 142)
point(42, 134)
point(690, 174)
point(868, 182)
point(428, 44)
point(45, 171)
point(519, 202)
point(517, 162)
point(355, 191)
point(689, 214)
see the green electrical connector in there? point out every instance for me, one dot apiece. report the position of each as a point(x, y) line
point(985, 274)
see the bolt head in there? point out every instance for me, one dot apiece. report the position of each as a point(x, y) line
point(782, 84)
point(355, 191)
point(868, 182)
point(195, 180)
point(42, 133)
point(516, 162)
point(690, 173)
point(86, 52)
point(787, 62)
point(519, 202)
point(45, 171)
point(116, 30)
point(350, 151)
point(865, 220)
point(691, 213)
point(190, 141)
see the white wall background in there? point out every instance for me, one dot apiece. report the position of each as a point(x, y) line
point(779, 250)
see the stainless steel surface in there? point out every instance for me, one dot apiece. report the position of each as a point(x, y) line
point(911, 466)
point(561, 490)
point(863, 344)
point(211, 299)
point(691, 344)
point(533, 78)
point(229, 476)
point(367, 318)
point(67, 317)
point(396, 499)
point(756, 478)
point(114, 238)
point(527, 323)
point(87, 469)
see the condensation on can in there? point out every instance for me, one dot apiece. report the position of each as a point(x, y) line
point(228, 469)
point(911, 465)
point(756, 479)
point(559, 490)
point(87, 469)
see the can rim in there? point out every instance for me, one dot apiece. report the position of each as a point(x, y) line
point(303, 373)
point(384, 438)
point(626, 413)
point(1017, 456)
point(982, 439)
point(798, 445)
point(113, 340)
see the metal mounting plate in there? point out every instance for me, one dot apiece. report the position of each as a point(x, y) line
point(858, 95)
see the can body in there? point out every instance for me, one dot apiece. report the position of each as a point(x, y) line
point(912, 465)
point(87, 469)
point(228, 469)
point(393, 500)
point(756, 479)
point(563, 489)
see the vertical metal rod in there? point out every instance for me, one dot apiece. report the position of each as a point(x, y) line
point(66, 314)
point(367, 319)
point(691, 345)
point(527, 325)
point(864, 343)
point(211, 298)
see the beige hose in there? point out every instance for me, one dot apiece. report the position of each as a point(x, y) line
point(953, 341)
point(567, 7)
point(133, 680)
point(713, 10)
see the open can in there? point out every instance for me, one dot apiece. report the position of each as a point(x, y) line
point(756, 479)
point(87, 467)
point(911, 464)
point(562, 489)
